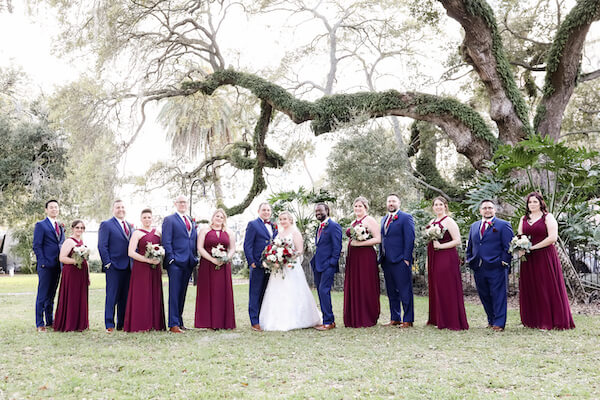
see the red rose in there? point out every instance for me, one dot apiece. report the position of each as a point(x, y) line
point(395, 217)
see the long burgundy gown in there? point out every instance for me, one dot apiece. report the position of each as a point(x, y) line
point(214, 293)
point(446, 301)
point(72, 309)
point(361, 286)
point(145, 305)
point(542, 293)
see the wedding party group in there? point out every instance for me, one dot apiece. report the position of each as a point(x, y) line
point(279, 296)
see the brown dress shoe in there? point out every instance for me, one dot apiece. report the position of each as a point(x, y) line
point(406, 325)
point(392, 323)
point(256, 328)
point(110, 330)
point(41, 329)
point(497, 328)
point(325, 327)
point(175, 329)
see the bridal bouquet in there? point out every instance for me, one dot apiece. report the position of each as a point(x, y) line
point(279, 254)
point(520, 243)
point(360, 232)
point(220, 253)
point(154, 252)
point(433, 232)
point(80, 254)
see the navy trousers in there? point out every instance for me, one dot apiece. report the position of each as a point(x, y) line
point(258, 284)
point(398, 284)
point(48, 278)
point(323, 283)
point(491, 286)
point(179, 278)
point(117, 288)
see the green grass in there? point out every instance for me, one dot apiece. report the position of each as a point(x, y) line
point(377, 362)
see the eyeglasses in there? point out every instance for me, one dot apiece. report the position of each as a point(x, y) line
point(80, 227)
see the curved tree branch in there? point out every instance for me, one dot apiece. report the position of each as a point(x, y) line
point(464, 126)
point(563, 63)
point(482, 48)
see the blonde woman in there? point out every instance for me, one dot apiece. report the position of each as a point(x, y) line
point(361, 282)
point(288, 303)
point(214, 295)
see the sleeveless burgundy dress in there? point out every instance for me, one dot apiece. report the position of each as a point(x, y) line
point(361, 286)
point(145, 306)
point(214, 292)
point(543, 299)
point(72, 309)
point(446, 301)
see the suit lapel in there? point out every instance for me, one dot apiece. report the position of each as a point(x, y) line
point(261, 223)
point(52, 229)
point(120, 228)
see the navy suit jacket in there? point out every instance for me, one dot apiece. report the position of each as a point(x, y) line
point(398, 242)
point(256, 239)
point(490, 250)
point(328, 247)
point(113, 244)
point(46, 243)
point(180, 247)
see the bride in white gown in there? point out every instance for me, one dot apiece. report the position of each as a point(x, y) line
point(288, 302)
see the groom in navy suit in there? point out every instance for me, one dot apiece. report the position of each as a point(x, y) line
point(113, 243)
point(488, 256)
point(325, 262)
point(259, 233)
point(48, 237)
point(179, 238)
point(396, 258)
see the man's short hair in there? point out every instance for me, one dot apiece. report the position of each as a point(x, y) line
point(325, 206)
point(263, 204)
point(117, 201)
point(395, 195)
point(487, 201)
point(51, 201)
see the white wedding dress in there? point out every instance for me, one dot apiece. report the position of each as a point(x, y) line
point(288, 302)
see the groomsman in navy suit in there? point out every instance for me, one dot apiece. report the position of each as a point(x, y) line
point(325, 262)
point(259, 233)
point(488, 256)
point(113, 241)
point(48, 237)
point(179, 238)
point(396, 258)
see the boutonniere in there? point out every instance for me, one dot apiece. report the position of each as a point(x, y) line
point(62, 225)
point(274, 226)
point(324, 224)
point(395, 217)
point(491, 224)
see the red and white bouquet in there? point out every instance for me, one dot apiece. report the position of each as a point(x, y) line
point(80, 253)
point(360, 232)
point(154, 252)
point(278, 255)
point(220, 253)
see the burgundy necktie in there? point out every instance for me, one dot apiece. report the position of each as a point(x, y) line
point(483, 227)
point(187, 223)
point(125, 228)
point(56, 228)
point(389, 221)
point(319, 232)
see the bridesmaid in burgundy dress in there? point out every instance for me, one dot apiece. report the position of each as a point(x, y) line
point(72, 309)
point(542, 293)
point(145, 309)
point(214, 295)
point(446, 302)
point(361, 283)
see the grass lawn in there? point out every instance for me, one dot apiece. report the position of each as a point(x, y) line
point(377, 362)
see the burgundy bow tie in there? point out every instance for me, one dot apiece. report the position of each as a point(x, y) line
point(267, 222)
